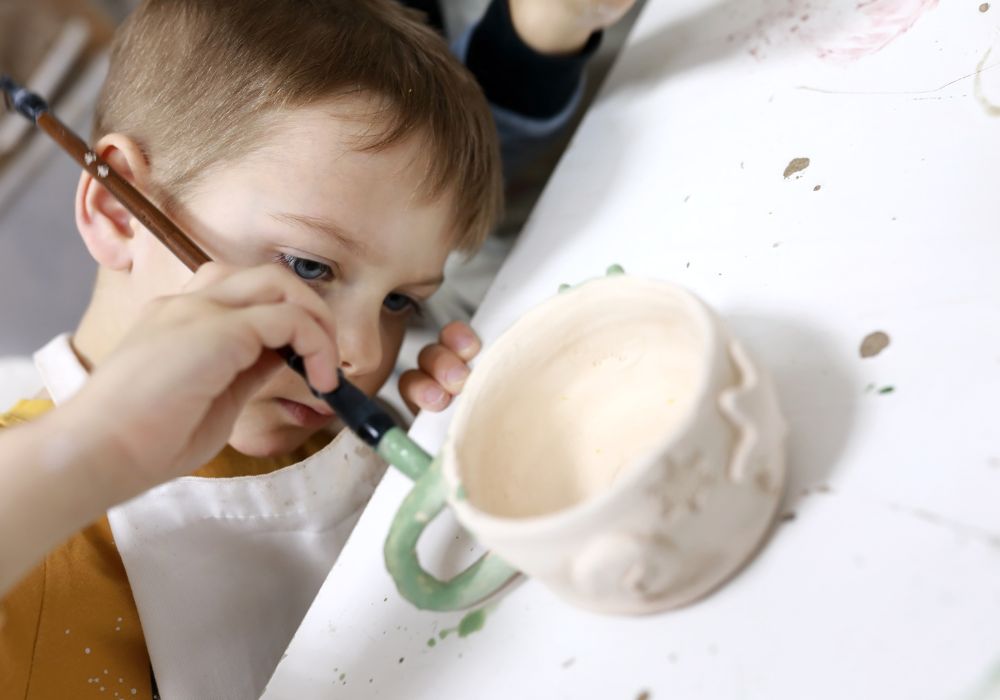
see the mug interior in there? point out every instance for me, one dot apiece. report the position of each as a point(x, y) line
point(576, 392)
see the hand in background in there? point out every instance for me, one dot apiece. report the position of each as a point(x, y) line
point(563, 26)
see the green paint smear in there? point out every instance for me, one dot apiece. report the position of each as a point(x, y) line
point(343, 676)
point(432, 642)
point(887, 390)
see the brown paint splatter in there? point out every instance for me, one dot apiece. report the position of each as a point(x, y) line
point(816, 188)
point(788, 517)
point(873, 344)
point(984, 7)
point(644, 695)
point(569, 662)
point(795, 165)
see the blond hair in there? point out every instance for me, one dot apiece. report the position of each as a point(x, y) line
point(191, 80)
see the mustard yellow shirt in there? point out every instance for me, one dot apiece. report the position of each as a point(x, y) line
point(72, 629)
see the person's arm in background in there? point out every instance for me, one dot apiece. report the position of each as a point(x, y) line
point(161, 405)
point(529, 57)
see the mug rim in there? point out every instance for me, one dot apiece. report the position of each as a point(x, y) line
point(548, 523)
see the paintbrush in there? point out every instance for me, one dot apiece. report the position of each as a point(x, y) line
point(352, 406)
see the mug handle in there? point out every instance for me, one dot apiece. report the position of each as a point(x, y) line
point(422, 504)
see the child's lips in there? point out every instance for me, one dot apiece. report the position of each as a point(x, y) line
point(306, 415)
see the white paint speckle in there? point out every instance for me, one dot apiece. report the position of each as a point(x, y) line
point(86, 650)
point(89, 157)
point(67, 630)
point(102, 170)
point(133, 691)
point(118, 629)
point(119, 619)
point(105, 672)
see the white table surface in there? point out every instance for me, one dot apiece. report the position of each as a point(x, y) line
point(886, 584)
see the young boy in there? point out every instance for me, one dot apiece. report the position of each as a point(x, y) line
point(335, 139)
point(338, 140)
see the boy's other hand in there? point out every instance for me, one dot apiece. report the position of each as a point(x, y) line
point(165, 400)
point(442, 371)
point(563, 26)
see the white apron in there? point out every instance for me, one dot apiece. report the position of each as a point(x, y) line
point(224, 570)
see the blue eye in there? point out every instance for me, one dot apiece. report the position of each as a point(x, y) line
point(398, 303)
point(305, 268)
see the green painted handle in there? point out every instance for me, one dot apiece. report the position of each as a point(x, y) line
point(424, 502)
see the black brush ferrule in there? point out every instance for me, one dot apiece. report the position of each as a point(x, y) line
point(361, 414)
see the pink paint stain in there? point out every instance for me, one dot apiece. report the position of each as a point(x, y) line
point(883, 21)
point(839, 32)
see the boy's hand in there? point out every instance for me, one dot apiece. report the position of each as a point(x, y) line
point(443, 369)
point(165, 401)
point(563, 26)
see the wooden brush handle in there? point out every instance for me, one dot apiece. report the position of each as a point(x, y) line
point(141, 208)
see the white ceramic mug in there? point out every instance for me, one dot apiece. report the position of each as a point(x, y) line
point(615, 444)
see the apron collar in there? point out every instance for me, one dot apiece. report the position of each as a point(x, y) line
point(61, 371)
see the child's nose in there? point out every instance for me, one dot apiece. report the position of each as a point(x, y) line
point(360, 344)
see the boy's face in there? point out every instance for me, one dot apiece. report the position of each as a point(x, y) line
point(354, 225)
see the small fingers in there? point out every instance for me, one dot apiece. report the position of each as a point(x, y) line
point(276, 325)
point(444, 366)
point(420, 391)
point(460, 339)
point(208, 274)
point(265, 284)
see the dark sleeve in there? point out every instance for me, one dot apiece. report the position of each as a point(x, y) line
point(516, 77)
point(431, 10)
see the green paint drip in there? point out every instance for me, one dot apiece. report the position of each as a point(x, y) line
point(616, 270)
point(473, 622)
point(343, 676)
point(887, 390)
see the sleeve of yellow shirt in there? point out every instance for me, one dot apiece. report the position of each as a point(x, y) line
point(72, 629)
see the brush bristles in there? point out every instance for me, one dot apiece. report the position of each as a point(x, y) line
point(24, 101)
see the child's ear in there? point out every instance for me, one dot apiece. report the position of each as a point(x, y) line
point(105, 225)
